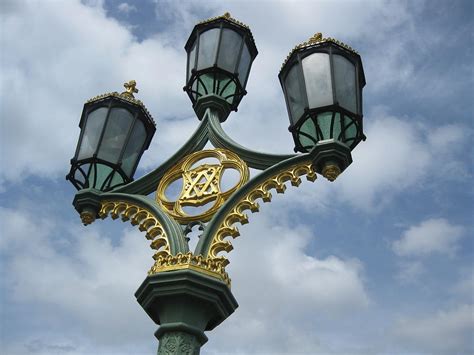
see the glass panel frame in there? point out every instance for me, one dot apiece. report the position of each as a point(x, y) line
point(87, 146)
point(228, 55)
point(208, 46)
point(318, 79)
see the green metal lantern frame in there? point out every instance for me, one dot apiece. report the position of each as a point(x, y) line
point(340, 115)
point(210, 85)
point(83, 170)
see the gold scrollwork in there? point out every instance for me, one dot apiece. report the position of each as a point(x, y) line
point(144, 219)
point(211, 267)
point(262, 191)
point(201, 184)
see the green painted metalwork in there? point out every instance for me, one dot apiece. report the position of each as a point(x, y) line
point(211, 228)
point(220, 139)
point(148, 183)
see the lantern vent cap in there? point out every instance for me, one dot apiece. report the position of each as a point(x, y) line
point(127, 95)
point(315, 40)
point(229, 19)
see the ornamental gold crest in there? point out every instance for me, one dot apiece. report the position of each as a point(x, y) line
point(201, 184)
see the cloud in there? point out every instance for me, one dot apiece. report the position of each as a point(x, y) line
point(445, 332)
point(275, 278)
point(95, 271)
point(410, 271)
point(126, 8)
point(89, 276)
point(48, 74)
point(428, 237)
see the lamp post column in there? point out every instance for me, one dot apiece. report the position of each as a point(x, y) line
point(185, 303)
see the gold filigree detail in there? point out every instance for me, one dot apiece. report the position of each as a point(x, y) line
point(331, 172)
point(262, 191)
point(211, 267)
point(201, 184)
point(316, 39)
point(143, 218)
point(130, 88)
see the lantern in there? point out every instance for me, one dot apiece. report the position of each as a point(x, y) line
point(115, 131)
point(220, 54)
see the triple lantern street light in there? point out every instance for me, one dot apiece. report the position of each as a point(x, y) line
point(188, 292)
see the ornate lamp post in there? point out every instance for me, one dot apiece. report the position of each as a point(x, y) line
point(188, 292)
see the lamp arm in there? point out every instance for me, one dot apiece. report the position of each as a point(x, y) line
point(166, 234)
point(147, 183)
point(220, 226)
point(220, 139)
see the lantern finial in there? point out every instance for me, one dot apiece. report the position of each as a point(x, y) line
point(131, 88)
point(318, 37)
point(227, 15)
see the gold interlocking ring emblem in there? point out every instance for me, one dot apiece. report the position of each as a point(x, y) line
point(202, 184)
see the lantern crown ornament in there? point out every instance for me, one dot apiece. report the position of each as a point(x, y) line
point(115, 131)
point(220, 54)
point(322, 80)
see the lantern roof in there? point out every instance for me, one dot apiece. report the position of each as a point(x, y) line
point(127, 96)
point(230, 20)
point(316, 40)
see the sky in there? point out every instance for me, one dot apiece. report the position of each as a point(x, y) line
point(378, 262)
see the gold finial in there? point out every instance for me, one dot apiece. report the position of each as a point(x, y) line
point(87, 217)
point(130, 88)
point(331, 172)
point(318, 37)
point(227, 15)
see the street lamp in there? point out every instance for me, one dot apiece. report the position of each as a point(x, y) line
point(187, 292)
point(115, 131)
point(220, 54)
point(322, 80)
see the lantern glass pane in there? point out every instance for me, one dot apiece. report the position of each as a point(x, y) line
point(244, 65)
point(308, 136)
point(191, 61)
point(94, 124)
point(317, 76)
point(134, 147)
point(229, 50)
point(350, 131)
point(103, 172)
point(116, 131)
point(207, 48)
point(345, 80)
point(294, 95)
point(324, 124)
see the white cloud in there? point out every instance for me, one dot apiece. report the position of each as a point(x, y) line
point(126, 8)
point(95, 273)
point(287, 298)
point(410, 271)
point(446, 332)
point(48, 74)
point(428, 237)
point(84, 277)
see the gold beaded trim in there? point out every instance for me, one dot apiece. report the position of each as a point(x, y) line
point(316, 39)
